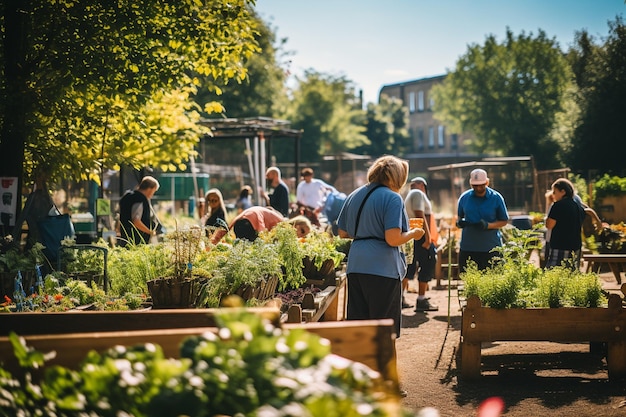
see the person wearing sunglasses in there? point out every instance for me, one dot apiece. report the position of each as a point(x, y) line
point(216, 210)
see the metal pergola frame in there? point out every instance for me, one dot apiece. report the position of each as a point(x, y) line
point(261, 130)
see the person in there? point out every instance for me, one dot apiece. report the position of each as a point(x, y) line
point(565, 221)
point(591, 223)
point(245, 199)
point(215, 216)
point(137, 224)
point(248, 223)
point(310, 191)
point(424, 252)
point(302, 225)
point(373, 215)
point(279, 197)
point(481, 213)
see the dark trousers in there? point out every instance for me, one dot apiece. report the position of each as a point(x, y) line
point(372, 297)
point(482, 259)
point(424, 262)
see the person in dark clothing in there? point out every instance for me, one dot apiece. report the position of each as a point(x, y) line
point(279, 198)
point(216, 213)
point(565, 221)
point(136, 225)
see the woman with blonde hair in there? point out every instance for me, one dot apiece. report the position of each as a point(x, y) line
point(216, 209)
point(375, 218)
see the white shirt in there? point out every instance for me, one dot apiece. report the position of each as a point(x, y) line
point(311, 193)
point(416, 200)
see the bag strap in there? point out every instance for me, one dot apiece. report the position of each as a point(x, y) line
point(358, 214)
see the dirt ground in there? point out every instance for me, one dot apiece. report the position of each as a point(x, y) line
point(532, 378)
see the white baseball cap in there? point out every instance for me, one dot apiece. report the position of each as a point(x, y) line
point(478, 177)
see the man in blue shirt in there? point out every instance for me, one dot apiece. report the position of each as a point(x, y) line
point(481, 213)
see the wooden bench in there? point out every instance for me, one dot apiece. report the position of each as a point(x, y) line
point(72, 334)
point(613, 260)
point(568, 324)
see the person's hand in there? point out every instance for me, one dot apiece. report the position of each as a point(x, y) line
point(418, 233)
point(461, 223)
point(482, 225)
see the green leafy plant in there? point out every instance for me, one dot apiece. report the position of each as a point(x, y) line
point(248, 367)
point(515, 282)
point(244, 263)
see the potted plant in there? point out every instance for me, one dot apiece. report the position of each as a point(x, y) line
point(322, 258)
point(251, 270)
point(179, 287)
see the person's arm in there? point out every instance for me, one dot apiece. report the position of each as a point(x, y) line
point(137, 214)
point(595, 219)
point(550, 223)
point(394, 237)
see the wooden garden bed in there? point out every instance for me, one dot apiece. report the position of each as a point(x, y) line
point(72, 335)
point(568, 324)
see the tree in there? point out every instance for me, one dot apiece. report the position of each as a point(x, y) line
point(262, 93)
point(508, 96)
point(326, 108)
point(386, 128)
point(94, 83)
point(600, 70)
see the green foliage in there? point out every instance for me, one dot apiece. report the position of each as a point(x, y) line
point(507, 95)
point(609, 186)
point(599, 71)
point(514, 282)
point(247, 368)
point(386, 128)
point(14, 258)
point(131, 267)
point(111, 83)
point(326, 109)
point(284, 237)
point(244, 263)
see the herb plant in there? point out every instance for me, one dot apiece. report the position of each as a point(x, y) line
point(514, 282)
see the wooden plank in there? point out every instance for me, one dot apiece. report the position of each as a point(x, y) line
point(371, 342)
point(104, 321)
point(543, 324)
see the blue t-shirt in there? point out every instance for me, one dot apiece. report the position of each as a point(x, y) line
point(490, 208)
point(369, 252)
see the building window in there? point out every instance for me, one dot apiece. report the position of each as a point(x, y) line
point(454, 141)
point(420, 139)
point(420, 101)
point(441, 136)
point(431, 103)
point(412, 102)
point(431, 137)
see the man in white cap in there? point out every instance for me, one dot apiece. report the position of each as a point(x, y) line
point(481, 213)
point(424, 252)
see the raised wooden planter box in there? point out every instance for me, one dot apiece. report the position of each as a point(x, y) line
point(568, 324)
point(73, 334)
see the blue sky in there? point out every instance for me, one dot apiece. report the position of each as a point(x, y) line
point(379, 42)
